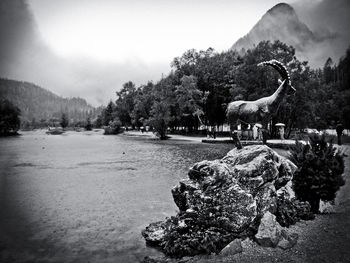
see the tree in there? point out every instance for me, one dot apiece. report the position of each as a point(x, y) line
point(343, 71)
point(328, 71)
point(143, 102)
point(190, 100)
point(319, 173)
point(107, 114)
point(160, 118)
point(9, 118)
point(212, 71)
point(64, 120)
point(125, 103)
point(98, 121)
point(88, 125)
point(164, 98)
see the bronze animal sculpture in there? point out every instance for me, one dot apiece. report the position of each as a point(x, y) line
point(262, 109)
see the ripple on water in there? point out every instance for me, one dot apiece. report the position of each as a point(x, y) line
point(117, 182)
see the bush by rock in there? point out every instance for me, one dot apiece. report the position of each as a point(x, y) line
point(222, 200)
point(319, 173)
point(291, 211)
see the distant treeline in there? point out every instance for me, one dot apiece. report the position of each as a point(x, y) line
point(202, 83)
point(40, 107)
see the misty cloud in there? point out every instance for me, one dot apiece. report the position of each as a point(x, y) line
point(329, 20)
point(24, 56)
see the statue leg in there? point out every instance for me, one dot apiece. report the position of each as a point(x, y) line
point(264, 135)
point(235, 138)
point(264, 131)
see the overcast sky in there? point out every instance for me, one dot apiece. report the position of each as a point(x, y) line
point(89, 48)
point(146, 30)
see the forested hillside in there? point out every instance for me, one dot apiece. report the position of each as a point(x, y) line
point(40, 105)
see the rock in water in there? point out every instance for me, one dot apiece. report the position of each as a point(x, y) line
point(222, 200)
point(154, 233)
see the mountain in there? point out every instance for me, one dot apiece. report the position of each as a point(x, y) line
point(282, 23)
point(38, 103)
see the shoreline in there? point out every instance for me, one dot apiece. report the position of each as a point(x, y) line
point(273, 143)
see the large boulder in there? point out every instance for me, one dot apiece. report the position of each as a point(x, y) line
point(222, 200)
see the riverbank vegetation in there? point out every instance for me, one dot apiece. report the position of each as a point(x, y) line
point(202, 83)
point(9, 118)
point(41, 107)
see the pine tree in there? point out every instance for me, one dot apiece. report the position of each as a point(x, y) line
point(64, 120)
point(88, 125)
point(108, 113)
point(319, 173)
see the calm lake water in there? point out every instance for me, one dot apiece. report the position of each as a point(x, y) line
point(85, 197)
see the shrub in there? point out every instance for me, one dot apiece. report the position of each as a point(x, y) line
point(319, 173)
point(114, 127)
point(291, 211)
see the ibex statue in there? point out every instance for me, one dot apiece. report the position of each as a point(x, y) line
point(262, 109)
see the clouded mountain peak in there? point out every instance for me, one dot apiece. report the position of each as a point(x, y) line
point(281, 8)
point(279, 23)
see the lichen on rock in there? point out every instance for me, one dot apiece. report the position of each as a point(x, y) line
point(222, 200)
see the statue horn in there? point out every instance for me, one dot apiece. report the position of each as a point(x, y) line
point(281, 69)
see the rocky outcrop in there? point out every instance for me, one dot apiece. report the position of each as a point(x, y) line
point(223, 200)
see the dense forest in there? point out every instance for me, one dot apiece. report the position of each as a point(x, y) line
point(202, 83)
point(40, 107)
